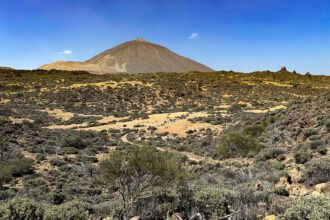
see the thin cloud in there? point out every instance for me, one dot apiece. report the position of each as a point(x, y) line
point(66, 52)
point(193, 36)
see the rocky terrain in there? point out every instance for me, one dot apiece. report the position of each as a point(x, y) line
point(213, 145)
point(137, 56)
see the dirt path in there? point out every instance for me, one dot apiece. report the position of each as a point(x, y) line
point(191, 156)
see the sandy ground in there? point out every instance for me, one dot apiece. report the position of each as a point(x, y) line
point(59, 114)
point(20, 120)
point(4, 101)
point(101, 85)
point(258, 111)
point(71, 126)
point(174, 123)
point(105, 85)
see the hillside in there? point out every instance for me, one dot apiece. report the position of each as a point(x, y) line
point(216, 145)
point(138, 56)
point(6, 68)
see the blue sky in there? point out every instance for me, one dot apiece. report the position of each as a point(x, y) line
point(240, 35)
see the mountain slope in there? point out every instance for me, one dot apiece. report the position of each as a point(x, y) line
point(5, 68)
point(138, 56)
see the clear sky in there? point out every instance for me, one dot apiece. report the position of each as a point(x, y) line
point(239, 35)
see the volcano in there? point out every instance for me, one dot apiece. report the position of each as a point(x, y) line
point(137, 56)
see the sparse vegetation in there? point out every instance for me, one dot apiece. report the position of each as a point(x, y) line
point(165, 145)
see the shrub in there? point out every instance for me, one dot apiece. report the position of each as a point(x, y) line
point(318, 171)
point(73, 210)
point(6, 194)
point(314, 144)
point(282, 191)
point(68, 150)
point(302, 156)
point(21, 209)
point(254, 130)
point(235, 107)
point(15, 168)
point(309, 132)
point(55, 197)
point(322, 150)
point(309, 207)
point(26, 209)
point(327, 125)
point(278, 165)
point(140, 169)
point(214, 201)
point(74, 141)
point(238, 145)
point(314, 137)
point(7, 152)
point(270, 153)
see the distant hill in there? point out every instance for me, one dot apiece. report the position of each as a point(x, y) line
point(6, 68)
point(137, 56)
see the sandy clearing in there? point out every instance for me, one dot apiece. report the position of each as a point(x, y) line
point(104, 120)
point(258, 111)
point(4, 101)
point(71, 126)
point(224, 106)
point(20, 120)
point(174, 123)
point(110, 119)
point(101, 85)
point(180, 127)
point(59, 114)
point(106, 84)
point(278, 84)
point(226, 95)
point(248, 104)
point(28, 155)
point(156, 120)
point(104, 155)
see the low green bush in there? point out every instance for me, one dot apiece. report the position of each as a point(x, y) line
point(270, 153)
point(141, 166)
point(254, 130)
point(21, 209)
point(327, 125)
point(314, 144)
point(302, 156)
point(27, 209)
point(74, 141)
point(68, 150)
point(322, 150)
point(318, 171)
point(309, 132)
point(309, 207)
point(73, 210)
point(238, 145)
point(15, 168)
point(214, 201)
point(282, 191)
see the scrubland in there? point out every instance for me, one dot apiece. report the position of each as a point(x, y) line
point(218, 145)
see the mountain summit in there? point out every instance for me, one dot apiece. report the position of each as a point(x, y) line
point(137, 56)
